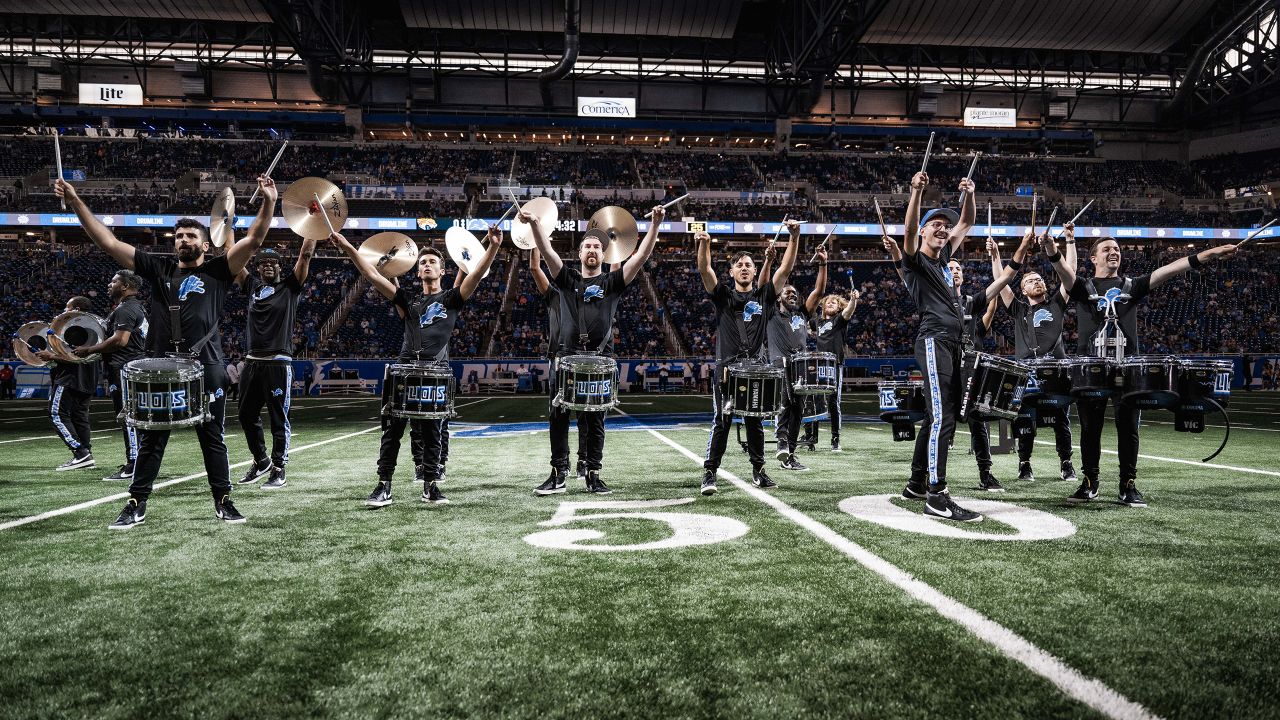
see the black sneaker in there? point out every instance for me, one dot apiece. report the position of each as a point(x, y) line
point(761, 479)
point(794, 465)
point(255, 472)
point(133, 514)
point(124, 472)
point(277, 479)
point(988, 482)
point(940, 505)
point(1130, 496)
point(1024, 472)
point(782, 454)
point(553, 485)
point(77, 462)
point(582, 471)
point(915, 490)
point(419, 473)
point(440, 474)
point(595, 484)
point(835, 446)
point(1068, 471)
point(1087, 491)
point(811, 446)
point(431, 494)
point(709, 482)
point(380, 496)
point(226, 511)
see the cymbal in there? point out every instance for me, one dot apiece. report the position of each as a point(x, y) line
point(31, 338)
point(73, 329)
point(301, 213)
point(222, 219)
point(464, 249)
point(391, 253)
point(620, 228)
point(544, 212)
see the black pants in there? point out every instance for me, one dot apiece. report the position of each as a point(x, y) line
point(417, 443)
point(8, 388)
point(69, 410)
point(213, 445)
point(233, 390)
point(722, 421)
point(980, 442)
point(1093, 412)
point(940, 360)
point(431, 431)
point(117, 403)
point(832, 402)
point(1061, 435)
point(788, 422)
point(269, 383)
point(590, 433)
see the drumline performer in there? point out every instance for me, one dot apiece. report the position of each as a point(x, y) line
point(831, 333)
point(71, 387)
point(128, 326)
point(554, 302)
point(978, 314)
point(743, 310)
point(267, 377)
point(191, 287)
point(1092, 296)
point(429, 320)
point(591, 299)
point(788, 334)
point(1037, 332)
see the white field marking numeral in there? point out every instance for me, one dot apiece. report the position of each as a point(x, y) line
point(1030, 524)
point(686, 528)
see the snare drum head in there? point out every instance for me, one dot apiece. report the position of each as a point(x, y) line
point(176, 368)
point(755, 370)
point(588, 363)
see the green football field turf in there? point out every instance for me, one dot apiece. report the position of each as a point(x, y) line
point(738, 605)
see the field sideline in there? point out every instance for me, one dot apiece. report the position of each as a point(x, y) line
point(822, 598)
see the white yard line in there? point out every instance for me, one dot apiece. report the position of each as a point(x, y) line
point(55, 437)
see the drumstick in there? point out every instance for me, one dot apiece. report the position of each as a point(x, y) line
point(782, 224)
point(972, 166)
point(1257, 232)
point(988, 218)
point(822, 244)
point(667, 205)
point(1073, 220)
point(320, 207)
point(57, 156)
point(928, 150)
point(1033, 214)
point(271, 168)
point(1052, 215)
point(880, 216)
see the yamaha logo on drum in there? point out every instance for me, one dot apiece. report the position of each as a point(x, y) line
point(163, 401)
point(428, 393)
point(593, 388)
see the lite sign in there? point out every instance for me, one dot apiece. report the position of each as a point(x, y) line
point(99, 94)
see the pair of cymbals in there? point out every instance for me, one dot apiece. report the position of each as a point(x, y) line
point(464, 249)
point(617, 231)
point(307, 202)
point(222, 219)
point(545, 214)
point(73, 329)
point(392, 254)
point(30, 339)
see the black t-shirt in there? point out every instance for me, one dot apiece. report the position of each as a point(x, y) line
point(975, 306)
point(272, 309)
point(592, 302)
point(1037, 330)
point(831, 334)
point(554, 300)
point(129, 317)
point(933, 290)
point(75, 376)
point(1091, 313)
point(788, 332)
point(201, 294)
point(428, 322)
point(741, 319)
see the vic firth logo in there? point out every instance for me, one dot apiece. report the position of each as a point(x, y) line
point(106, 94)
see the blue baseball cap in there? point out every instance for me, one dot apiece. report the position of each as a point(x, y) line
point(267, 255)
point(950, 215)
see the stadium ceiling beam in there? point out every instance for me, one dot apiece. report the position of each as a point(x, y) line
point(1238, 65)
point(332, 38)
point(813, 38)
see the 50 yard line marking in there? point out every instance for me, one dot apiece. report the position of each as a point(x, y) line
point(1087, 690)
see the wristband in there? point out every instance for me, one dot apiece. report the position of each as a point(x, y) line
point(1194, 261)
point(1055, 257)
point(1015, 265)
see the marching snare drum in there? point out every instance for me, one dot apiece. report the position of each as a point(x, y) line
point(421, 391)
point(1150, 381)
point(1049, 383)
point(755, 389)
point(1198, 379)
point(1091, 377)
point(993, 388)
point(163, 393)
point(586, 383)
point(902, 401)
point(813, 373)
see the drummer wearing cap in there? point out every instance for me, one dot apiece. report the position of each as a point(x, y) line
point(71, 387)
point(193, 286)
point(429, 320)
point(267, 377)
point(590, 300)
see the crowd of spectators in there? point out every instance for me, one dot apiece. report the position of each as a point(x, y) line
point(1239, 169)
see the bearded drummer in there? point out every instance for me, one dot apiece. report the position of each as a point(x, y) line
point(429, 320)
point(743, 311)
point(192, 286)
point(71, 387)
point(590, 299)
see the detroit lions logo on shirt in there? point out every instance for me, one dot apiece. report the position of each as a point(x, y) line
point(1041, 316)
point(144, 327)
point(825, 328)
point(434, 312)
point(1108, 297)
point(190, 284)
point(264, 292)
point(592, 292)
point(277, 392)
point(797, 323)
point(750, 310)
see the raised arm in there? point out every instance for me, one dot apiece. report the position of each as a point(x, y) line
point(988, 316)
point(911, 222)
point(766, 267)
point(968, 213)
point(366, 269)
point(852, 306)
point(302, 266)
point(549, 255)
point(997, 267)
point(1068, 256)
point(895, 254)
point(1066, 271)
point(631, 268)
point(820, 286)
point(238, 255)
point(783, 272)
point(1011, 269)
point(709, 279)
point(472, 280)
point(100, 235)
point(117, 340)
point(1165, 273)
point(540, 280)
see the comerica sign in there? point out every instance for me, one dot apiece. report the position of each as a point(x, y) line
point(606, 107)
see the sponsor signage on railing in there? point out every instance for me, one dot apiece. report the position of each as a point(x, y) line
point(606, 107)
point(113, 94)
